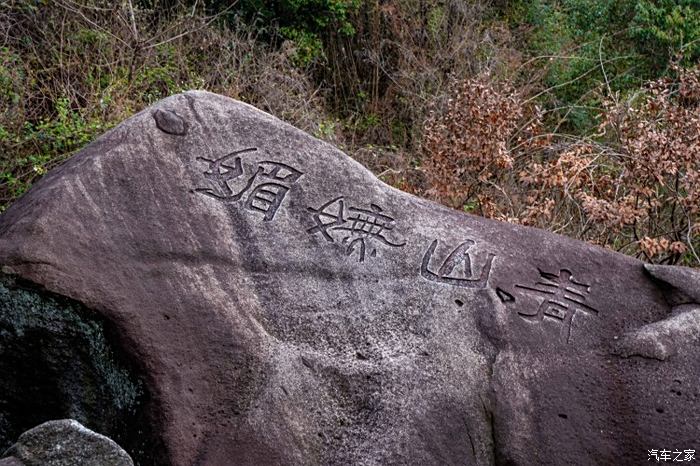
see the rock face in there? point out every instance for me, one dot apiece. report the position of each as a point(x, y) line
point(11, 461)
point(65, 443)
point(58, 360)
point(287, 307)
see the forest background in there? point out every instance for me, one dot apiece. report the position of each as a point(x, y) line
point(581, 117)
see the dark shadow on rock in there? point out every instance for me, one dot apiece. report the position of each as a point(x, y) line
point(59, 360)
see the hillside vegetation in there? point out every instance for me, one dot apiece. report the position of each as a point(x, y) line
point(578, 116)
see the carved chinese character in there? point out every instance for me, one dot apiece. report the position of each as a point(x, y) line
point(223, 174)
point(459, 256)
point(563, 298)
point(357, 227)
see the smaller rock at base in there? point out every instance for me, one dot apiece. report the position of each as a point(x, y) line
point(11, 461)
point(65, 443)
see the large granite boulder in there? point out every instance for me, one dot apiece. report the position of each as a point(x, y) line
point(284, 306)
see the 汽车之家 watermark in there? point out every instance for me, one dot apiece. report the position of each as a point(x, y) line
point(671, 455)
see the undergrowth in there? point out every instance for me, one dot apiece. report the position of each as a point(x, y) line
point(576, 116)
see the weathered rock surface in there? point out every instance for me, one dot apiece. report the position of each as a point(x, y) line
point(289, 308)
point(11, 461)
point(65, 442)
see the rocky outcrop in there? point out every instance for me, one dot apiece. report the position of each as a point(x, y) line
point(283, 306)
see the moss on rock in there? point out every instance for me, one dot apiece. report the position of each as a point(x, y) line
point(59, 360)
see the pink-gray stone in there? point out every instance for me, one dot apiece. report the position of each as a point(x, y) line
point(11, 461)
point(65, 442)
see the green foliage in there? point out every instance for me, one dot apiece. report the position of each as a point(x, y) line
point(666, 28)
point(310, 16)
point(594, 47)
point(436, 16)
point(367, 121)
point(308, 47)
point(69, 74)
point(45, 143)
point(66, 132)
point(10, 77)
point(326, 129)
point(304, 16)
point(304, 22)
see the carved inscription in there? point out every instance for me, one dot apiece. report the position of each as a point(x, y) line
point(228, 182)
point(563, 297)
point(356, 228)
point(504, 296)
point(460, 256)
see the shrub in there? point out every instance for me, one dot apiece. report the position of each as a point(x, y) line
point(656, 147)
point(303, 22)
point(69, 71)
point(665, 29)
point(592, 48)
point(470, 145)
point(636, 190)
